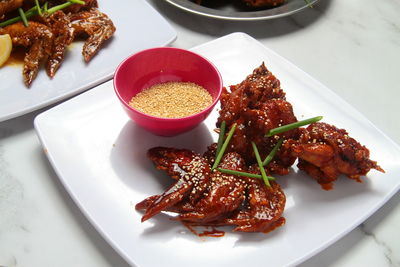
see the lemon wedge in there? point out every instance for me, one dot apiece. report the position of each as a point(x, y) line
point(5, 48)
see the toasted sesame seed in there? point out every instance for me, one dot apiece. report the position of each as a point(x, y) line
point(172, 99)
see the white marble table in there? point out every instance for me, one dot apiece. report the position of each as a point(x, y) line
point(353, 47)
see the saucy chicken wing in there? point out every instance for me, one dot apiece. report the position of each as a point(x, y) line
point(97, 25)
point(325, 152)
point(216, 198)
point(256, 106)
point(38, 38)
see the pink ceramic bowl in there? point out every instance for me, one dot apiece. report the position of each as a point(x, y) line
point(159, 65)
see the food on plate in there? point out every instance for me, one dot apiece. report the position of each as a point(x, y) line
point(257, 105)
point(250, 3)
point(259, 135)
point(202, 196)
point(46, 29)
point(172, 99)
point(325, 152)
point(97, 25)
point(9, 5)
point(263, 3)
point(38, 38)
point(5, 48)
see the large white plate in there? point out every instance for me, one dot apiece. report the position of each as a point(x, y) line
point(99, 155)
point(138, 25)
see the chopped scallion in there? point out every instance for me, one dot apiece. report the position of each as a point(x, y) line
point(245, 174)
point(220, 137)
point(23, 17)
point(260, 165)
point(224, 146)
point(292, 126)
point(271, 154)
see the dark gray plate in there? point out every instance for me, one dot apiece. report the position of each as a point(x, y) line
point(232, 13)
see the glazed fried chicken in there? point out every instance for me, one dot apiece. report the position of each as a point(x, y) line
point(325, 152)
point(59, 24)
point(95, 24)
point(257, 105)
point(9, 5)
point(211, 198)
point(38, 38)
point(263, 3)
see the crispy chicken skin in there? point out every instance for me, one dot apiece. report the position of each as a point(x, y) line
point(38, 38)
point(97, 25)
point(211, 198)
point(258, 105)
point(9, 5)
point(325, 152)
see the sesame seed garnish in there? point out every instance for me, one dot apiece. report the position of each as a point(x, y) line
point(172, 99)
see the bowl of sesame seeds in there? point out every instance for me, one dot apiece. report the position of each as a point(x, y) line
point(167, 90)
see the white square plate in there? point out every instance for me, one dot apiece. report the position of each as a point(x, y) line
point(100, 157)
point(138, 25)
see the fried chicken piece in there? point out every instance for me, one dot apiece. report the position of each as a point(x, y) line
point(263, 209)
point(38, 38)
point(325, 152)
point(97, 25)
point(258, 105)
point(224, 194)
point(217, 198)
point(9, 5)
point(58, 23)
point(191, 171)
point(263, 3)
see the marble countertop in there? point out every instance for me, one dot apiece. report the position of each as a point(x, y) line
point(353, 47)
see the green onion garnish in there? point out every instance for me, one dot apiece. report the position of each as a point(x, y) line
point(260, 165)
point(38, 7)
point(220, 137)
point(45, 7)
point(245, 174)
point(23, 17)
point(59, 7)
point(78, 2)
point(292, 126)
point(271, 154)
point(224, 146)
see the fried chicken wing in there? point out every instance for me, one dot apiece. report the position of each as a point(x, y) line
point(325, 152)
point(59, 24)
point(9, 5)
point(216, 199)
point(263, 209)
point(191, 171)
point(97, 25)
point(258, 105)
point(38, 38)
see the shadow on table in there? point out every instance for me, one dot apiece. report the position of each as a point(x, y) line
point(257, 29)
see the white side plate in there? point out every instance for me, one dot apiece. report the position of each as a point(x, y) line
point(100, 157)
point(138, 25)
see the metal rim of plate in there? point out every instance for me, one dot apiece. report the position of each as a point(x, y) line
point(289, 8)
